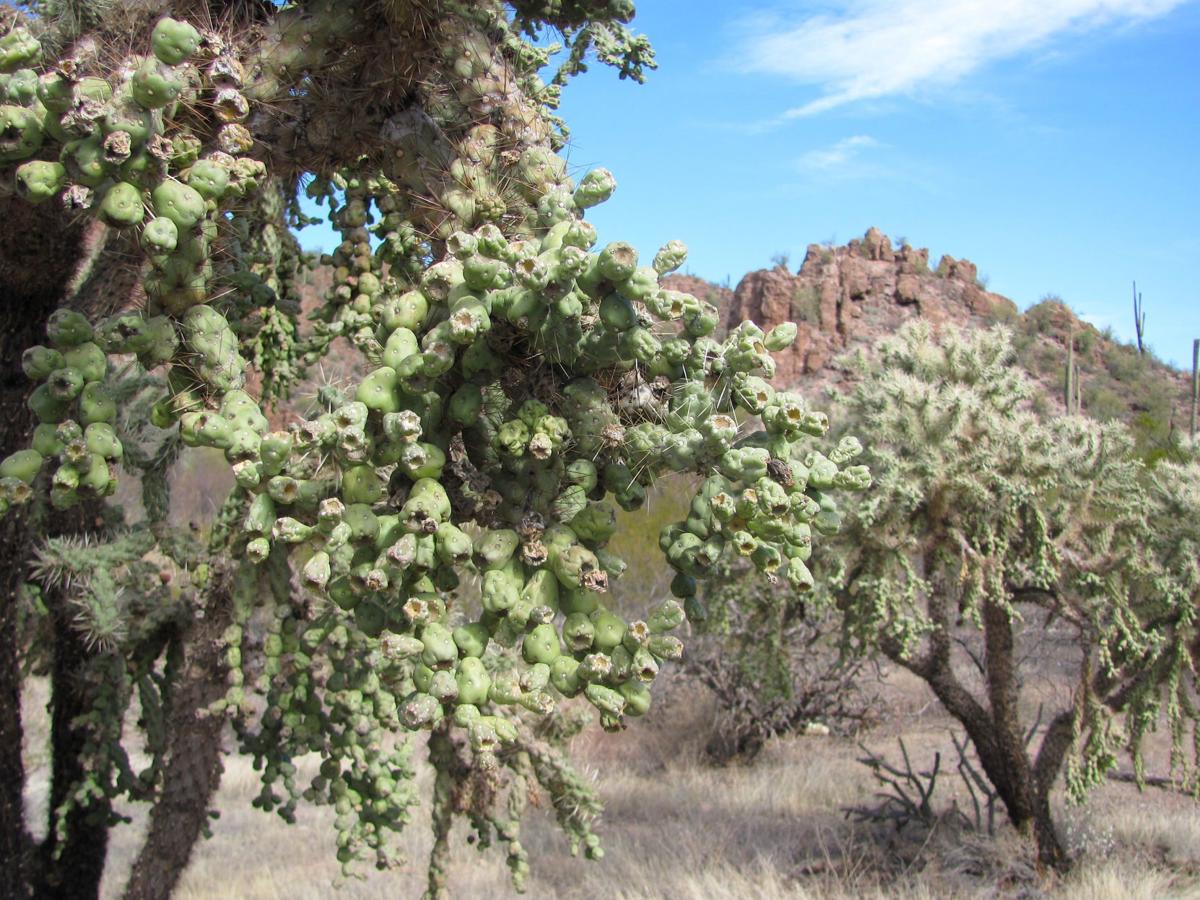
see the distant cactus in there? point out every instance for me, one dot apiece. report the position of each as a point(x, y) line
point(1139, 319)
point(984, 515)
point(522, 379)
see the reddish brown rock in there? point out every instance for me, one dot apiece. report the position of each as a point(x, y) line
point(847, 296)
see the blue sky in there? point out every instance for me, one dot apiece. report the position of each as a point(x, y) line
point(1055, 143)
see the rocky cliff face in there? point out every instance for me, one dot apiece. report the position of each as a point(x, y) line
point(845, 296)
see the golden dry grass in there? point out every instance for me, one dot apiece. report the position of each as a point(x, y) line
point(675, 828)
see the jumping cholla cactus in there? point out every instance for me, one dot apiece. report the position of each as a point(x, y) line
point(989, 529)
point(431, 547)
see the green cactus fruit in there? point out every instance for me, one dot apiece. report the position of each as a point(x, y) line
point(421, 460)
point(173, 41)
point(20, 133)
point(40, 362)
point(209, 178)
point(21, 87)
point(102, 439)
point(316, 572)
point(47, 407)
point(423, 676)
point(597, 523)
point(244, 411)
point(155, 84)
point(55, 91)
point(583, 473)
point(401, 344)
point(474, 682)
point(39, 180)
point(500, 592)
point(702, 322)
point(46, 440)
point(541, 590)
point(409, 310)
point(605, 699)
point(23, 465)
point(88, 360)
point(122, 205)
point(361, 484)
point(577, 567)
point(260, 515)
point(495, 547)
point(541, 645)
point(443, 687)
point(594, 188)
point(419, 710)
point(670, 257)
point(275, 449)
point(466, 403)
point(453, 546)
point(472, 639)
point(564, 676)
point(65, 384)
point(781, 336)
point(667, 617)
point(205, 429)
point(126, 115)
point(378, 391)
point(85, 161)
point(361, 521)
point(665, 646)
point(617, 261)
point(637, 697)
point(578, 631)
point(609, 629)
point(343, 593)
point(371, 619)
point(178, 202)
point(96, 476)
point(438, 646)
point(617, 313)
point(66, 328)
point(161, 235)
point(19, 48)
point(427, 506)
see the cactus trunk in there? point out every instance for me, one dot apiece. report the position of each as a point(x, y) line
point(1195, 386)
point(37, 257)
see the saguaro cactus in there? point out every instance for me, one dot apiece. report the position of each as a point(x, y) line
point(447, 515)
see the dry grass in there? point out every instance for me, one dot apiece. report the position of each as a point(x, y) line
point(674, 828)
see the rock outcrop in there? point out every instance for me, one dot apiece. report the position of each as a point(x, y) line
point(845, 296)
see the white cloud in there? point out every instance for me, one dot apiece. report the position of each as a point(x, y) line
point(875, 48)
point(837, 155)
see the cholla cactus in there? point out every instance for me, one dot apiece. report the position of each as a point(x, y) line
point(447, 517)
point(988, 527)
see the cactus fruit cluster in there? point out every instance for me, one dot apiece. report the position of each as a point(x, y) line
point(434, 541)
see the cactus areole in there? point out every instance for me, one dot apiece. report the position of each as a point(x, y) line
point(445, 519)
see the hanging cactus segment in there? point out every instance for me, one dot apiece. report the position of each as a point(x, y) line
point(446, 514)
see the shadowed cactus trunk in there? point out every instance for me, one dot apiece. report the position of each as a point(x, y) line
point(40, 250)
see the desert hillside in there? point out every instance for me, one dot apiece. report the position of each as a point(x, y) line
point(850, 296)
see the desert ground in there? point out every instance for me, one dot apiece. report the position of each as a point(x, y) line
point(676, 827)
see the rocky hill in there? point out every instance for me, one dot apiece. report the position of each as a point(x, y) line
point(844, 297)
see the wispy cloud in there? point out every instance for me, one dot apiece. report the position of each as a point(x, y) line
point(835, 157)
point(876, 48)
